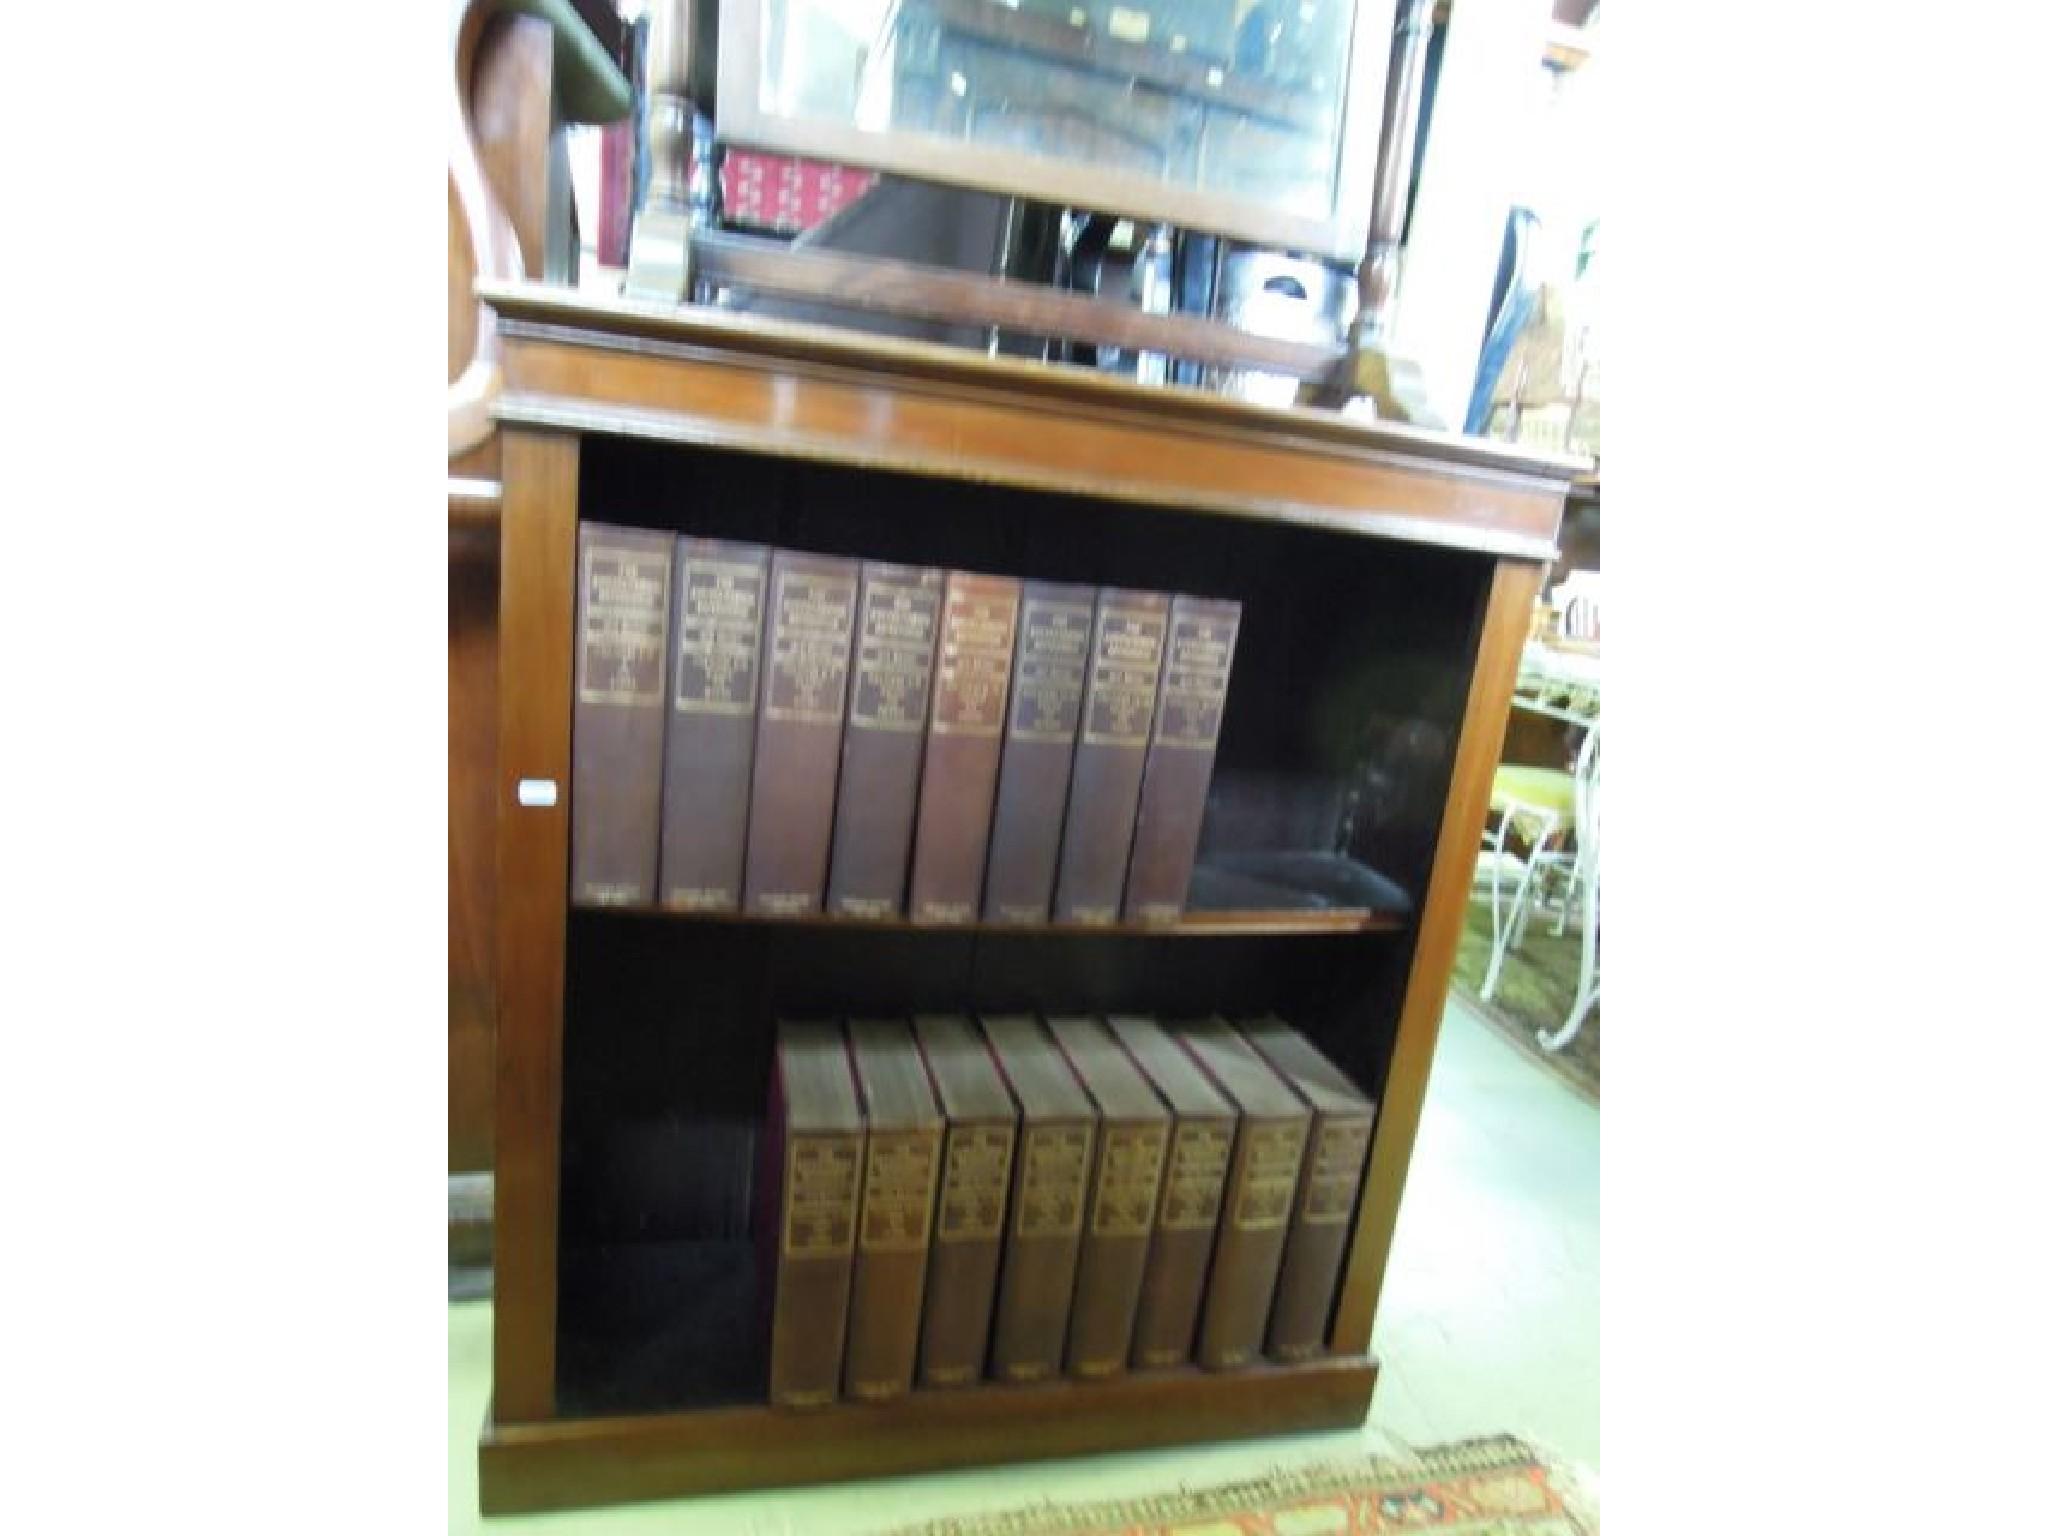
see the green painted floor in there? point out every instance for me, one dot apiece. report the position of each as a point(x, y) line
point(1489, 1324)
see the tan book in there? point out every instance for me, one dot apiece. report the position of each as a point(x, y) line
point(1201, 640)
point(1190, 1195)
point(1048, 1193)
point(970, 690)
point(622, 613)
point(804, 665)
point(1038, 751)
point(1123, 1197)
point(884, 741)
point(1124, 654)
point(714, 686)
point(1258, 1194)
point(974, 1195)
point(813, 1152)
point(1332, 1169)
point(904, 1129)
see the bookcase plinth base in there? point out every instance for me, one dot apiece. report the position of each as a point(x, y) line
point(566, 1463)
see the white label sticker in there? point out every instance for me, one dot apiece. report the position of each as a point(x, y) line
point(537, 792)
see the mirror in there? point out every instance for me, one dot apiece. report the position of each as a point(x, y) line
point(1215, 114)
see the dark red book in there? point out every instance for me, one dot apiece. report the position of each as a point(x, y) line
point(974, 1192)
point(1201, 640)
point(1123, 1197)
point(1258, 1194)
point(884, 743)
point(963, 747)
point(1124, 655)
point(1051, 670)
point(1190, 1195)
point(904, 1129)
point(796, 743)
point(622, 582)
point(1332, 1170)
point(1048, 1192)
point(812, 1156)
point(715, 671)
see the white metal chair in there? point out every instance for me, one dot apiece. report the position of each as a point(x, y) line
point(1583, 881)
point(1554, 816)
point(1537, 826)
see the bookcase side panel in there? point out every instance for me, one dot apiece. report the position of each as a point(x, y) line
point(537, 598)
point(1503, 629)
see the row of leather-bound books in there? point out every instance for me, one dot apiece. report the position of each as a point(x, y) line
point(948, 1201)
point(788, 733)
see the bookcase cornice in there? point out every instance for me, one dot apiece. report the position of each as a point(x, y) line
point(709, 378)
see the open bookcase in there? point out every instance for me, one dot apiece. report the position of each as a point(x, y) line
point(1386, 577)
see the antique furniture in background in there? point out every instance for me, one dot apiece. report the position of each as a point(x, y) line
point(1552, 813)
point(1262, 128)
point(517, 74)
point(1387, 576)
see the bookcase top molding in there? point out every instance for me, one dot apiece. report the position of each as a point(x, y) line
point(710, 378)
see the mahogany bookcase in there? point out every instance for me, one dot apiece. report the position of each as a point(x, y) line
point(1387, 577)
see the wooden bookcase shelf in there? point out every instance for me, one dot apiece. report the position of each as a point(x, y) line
point(1386, 578)
point(1192, 925)
point(1391, 912)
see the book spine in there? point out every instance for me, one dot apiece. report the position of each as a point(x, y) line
point(885, 720)
point(622, 607)
point(963, 747)
point(1121, 1206)
point(715, 663)
point(1200, 643)
point(796, 743)
point(1264, 1167)
point(967, 1249)
point(1177, 1264)
point(1319, 1237)
point(1038, 751)
point(1124, 653)
point(814, 1267)
point(1050, 1189)
point(889, 1269)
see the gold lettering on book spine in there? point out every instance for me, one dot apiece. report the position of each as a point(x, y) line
point(821, 1189)
point(1334, 1170)
point(1052, 665)
point(1124, 677)
point(896, 1212)
point(1054, 1181)
point(1127, 1183)
point(807, 665)
point(1194, 1179)
point(1272, 1162)
point(1197, 676)
point(718, 654)
point(892, 682)
point(623, 656)
point(974, 663)
point(977, 1178)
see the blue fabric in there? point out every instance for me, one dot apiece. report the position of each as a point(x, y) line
point(1514, 300)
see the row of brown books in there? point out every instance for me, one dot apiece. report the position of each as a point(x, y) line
point(786, 733)
point(946, 1202)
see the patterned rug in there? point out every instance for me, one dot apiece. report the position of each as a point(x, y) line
point(1495, 1487)
point(1538, 981)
